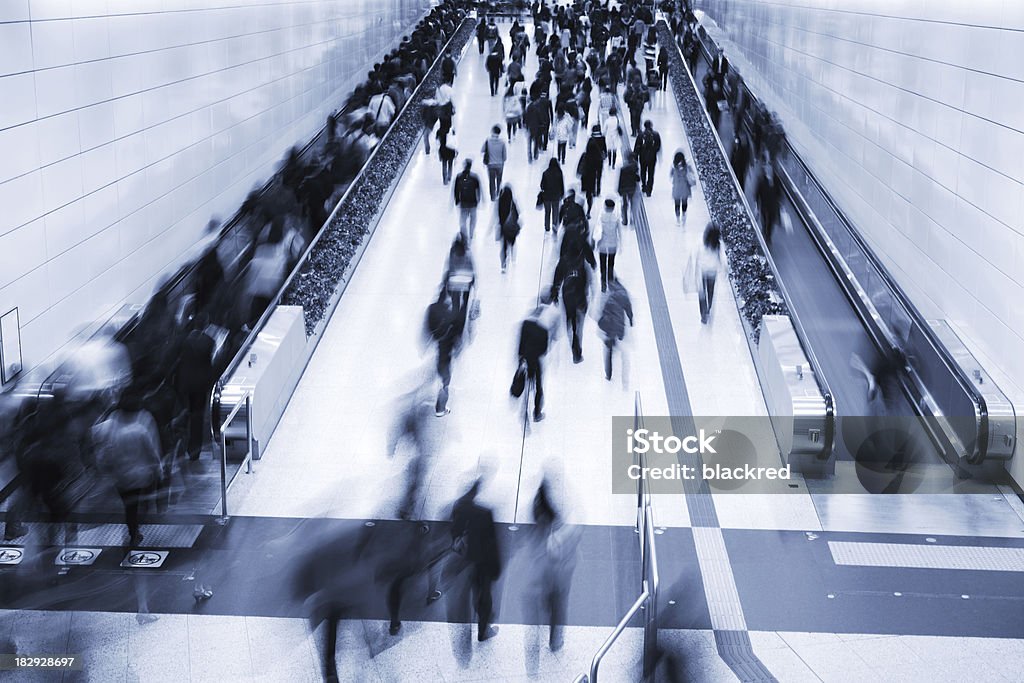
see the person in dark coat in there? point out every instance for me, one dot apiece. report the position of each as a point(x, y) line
point(534, 340)
point(495, 66)
point(533, 122)
point(571, 281)
point(591, 166)
point(647, 151)
point(628, 182)
point(612, 323)
point(768, 199)
point(572, 214)
point(475, 543)
point(481, 34)
point(195, 380)
point(740, 157)
point(444, 327)
point(508, 224)
point(552, 188)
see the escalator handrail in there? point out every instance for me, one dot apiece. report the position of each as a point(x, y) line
point(820, 379)
point(976, 397)
point(250, 339)
point(899, 297)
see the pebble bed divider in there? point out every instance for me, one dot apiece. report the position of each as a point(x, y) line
point(330, 257)
point(756, 290)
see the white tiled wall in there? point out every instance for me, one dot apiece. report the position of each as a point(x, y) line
point(126, 124)
point(912, 114)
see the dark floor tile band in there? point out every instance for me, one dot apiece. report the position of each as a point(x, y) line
point(698, 495)
point(734, 647)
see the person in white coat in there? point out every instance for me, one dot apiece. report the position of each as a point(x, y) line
point(612, 136)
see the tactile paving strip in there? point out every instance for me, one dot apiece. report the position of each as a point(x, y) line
point(915, 556)
point(719, 583)
point(153, 535)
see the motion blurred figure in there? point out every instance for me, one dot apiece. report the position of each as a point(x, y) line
point(612, 323)
point(571, 281)
point(474, 549)
point(508, 224)
point(444, 328)
point(460, 274)
point(553, 549)
point(535, 336)
point(195, 379)
point(335, 581)
point(704, 267)
point(128, 449)
point(413, 428)
point(467, 197)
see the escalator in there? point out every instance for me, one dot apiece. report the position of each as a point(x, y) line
point(950, 420)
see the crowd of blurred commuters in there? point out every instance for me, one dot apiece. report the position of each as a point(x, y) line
point(141, 420)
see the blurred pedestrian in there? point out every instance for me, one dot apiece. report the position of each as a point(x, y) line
point(508, 224)
point(495, 66)
point(647, 152)
point(608, 236)
point(612, 136)
point(628, 182)
point(553, 549)
point(552, 188)
point(195, 381)
point(572, 282)
point(682, 184)
point(128, 449)
point(494, 154)
point(705, 265)
point(460, 275)
point(768, 200)
point(564, 124)
point(663, 67)
point(467, 194)
point(475, 547)
point(444, 327)
point(616, 310)
point(591, 166)
point(535, 336)
point(412, 427)
point(512, 107)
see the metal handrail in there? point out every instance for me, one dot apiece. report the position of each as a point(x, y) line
point(650, 578)
point(250, 339)
point(595, 664)
point(898, 297)
point(812, 359)
point(247, 401)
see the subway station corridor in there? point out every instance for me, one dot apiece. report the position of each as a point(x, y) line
point(322, 528)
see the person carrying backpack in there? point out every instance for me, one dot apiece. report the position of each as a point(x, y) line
point(572, 282)
point(467, 198)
